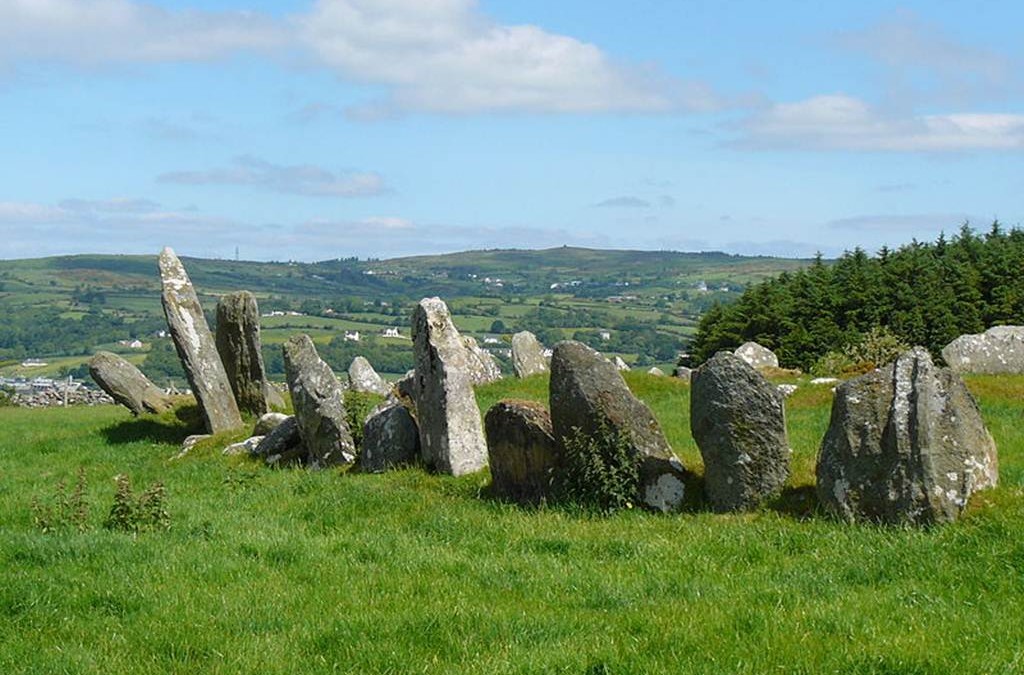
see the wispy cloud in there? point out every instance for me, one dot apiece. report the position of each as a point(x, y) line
point(302, 179)
point(903, 223)
point(624, 202)
point(841, 122)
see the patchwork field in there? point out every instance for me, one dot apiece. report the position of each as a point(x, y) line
point(285, 571)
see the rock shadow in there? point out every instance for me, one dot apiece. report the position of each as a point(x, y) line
point(800, 502)
point(170, 428)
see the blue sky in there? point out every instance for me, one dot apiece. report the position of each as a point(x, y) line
point(310, 130)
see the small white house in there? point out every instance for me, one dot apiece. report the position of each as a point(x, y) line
point(391, 333)
point(352, 336)
point(605, 335)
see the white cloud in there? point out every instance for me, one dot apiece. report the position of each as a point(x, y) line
point(624, 202)
point(841, 122)
point(97, 32)
point(303, 179)
point(447, 56)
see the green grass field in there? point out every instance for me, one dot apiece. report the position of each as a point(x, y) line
point(291, 571)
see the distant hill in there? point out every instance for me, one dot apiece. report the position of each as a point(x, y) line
point(645, 304)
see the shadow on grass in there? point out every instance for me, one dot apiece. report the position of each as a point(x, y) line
point(171, 428)
point(800, 502)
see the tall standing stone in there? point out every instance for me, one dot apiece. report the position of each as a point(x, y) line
point(319, 403)
point(587, 392)
point(451, 431)
point(906, 444)
point(528, 355)
point(196, 347)
point(126, 384)
point(240, 349)
point(738, 420)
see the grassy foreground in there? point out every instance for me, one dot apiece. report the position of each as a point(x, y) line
point(291, 571)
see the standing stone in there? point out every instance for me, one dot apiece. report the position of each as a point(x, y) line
point(586, 391)
point(656, 372)
point(363, 378)
point(126, 384)
point(318, 399)
point(521, 450)
point(906, 445)
point(483, 368)
point(683, 373)
point(196, 347)
point(451, 432)
point(390, 439)
point(997, 351)
point(757, 356)
point(239, 346)
point(528, 355)
point(620, 364)
point(738, 420)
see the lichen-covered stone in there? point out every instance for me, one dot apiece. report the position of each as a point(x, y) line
point(738, 420)
point(997, 351)
point(528, 355)
point(268, 422)
point(127, 385)
point(587, 391)
point(196, 347)
point(757, 356)
point(240, 350)
point(363, 378)
point(390, 439)
point(522, 451)
point(906, 444)
point(318, 399)
point(282, 444)
point(451, 431)
point(483, 367)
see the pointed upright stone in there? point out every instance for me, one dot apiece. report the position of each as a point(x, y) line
point(319, 404)
point(451, 431)
point(363, 378)
point(240, 349)
point(484, 369)
point(528, 355)
point(196, 347)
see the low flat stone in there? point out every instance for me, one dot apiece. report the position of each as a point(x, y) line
point(997, 351)
point(268, 422)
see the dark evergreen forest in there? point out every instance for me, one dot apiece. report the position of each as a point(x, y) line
point(924, 293)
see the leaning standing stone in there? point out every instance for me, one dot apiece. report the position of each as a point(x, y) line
point(522, 451)
point(451, 432)
point(319, 404)
point(738, 420)
point(528, 355)
point(906, 445)
point(239, 346)
point(196, 347)
point(390, 439)
point(588, 391)
point(126, 384)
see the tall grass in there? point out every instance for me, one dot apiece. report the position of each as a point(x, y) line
point(288, 571)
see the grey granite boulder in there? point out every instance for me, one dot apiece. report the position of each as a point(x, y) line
point(522, 451)
point(656, 372)
point(240, 350)
point(738, 420)
point(757, 356)
point(268, 422)
point(390, 439)
point(906, 444)
point(683, 373)
point(620, 364)
point(363, 378)
point(451, 431)
point(127, 385)
point(318, 399)
point(483, 367)
point(196, 347)
point(282, 444)
point(528, 355)
point(997, 351)
point(587, 391)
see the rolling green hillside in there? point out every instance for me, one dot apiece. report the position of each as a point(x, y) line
point(647, 302)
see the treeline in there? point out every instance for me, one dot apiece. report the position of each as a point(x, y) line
point(924, 293)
